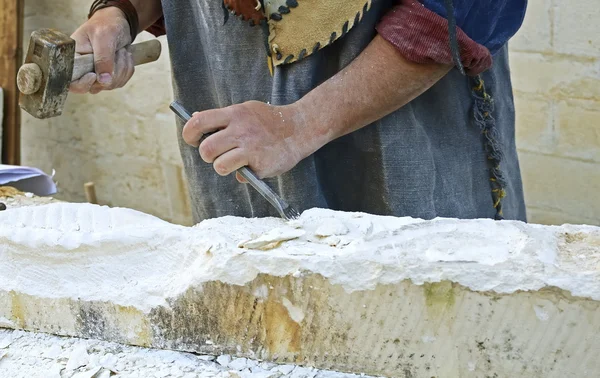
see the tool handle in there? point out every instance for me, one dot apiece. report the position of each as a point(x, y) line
point(180, 111)
point(143, 52)
point(29, 77)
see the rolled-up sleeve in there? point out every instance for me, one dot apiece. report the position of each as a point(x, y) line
point(419, 30)
point(158, 28)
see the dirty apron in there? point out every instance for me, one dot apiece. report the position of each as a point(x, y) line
point(425, 160)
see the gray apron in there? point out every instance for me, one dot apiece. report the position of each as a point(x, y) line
point(425, 160)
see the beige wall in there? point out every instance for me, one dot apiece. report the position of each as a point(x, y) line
point(556, 77)
point(125, 140)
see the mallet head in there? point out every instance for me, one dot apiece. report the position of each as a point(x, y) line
point(45, 76)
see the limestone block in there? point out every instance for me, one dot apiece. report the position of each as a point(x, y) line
point(576, 28)
point(132, 180)
point(555, 76)
point(166, 134)
point(561, 184)
point(151, 89)
point(352, 292)
point(74, 166)
point(552, 217)
point(1, 116)
point(534, 123)
point(579, 129)
point(536, 32)
point(176, 186)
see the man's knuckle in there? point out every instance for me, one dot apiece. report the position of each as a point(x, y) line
point(199, 119)
point(110, 30)
point(237, 111)
point(102, 59)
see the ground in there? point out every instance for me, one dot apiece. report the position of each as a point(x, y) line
point(36, 355)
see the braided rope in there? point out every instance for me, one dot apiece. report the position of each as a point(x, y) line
point(482, 112)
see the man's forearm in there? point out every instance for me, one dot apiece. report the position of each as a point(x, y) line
point(378, 82)
point(148, 12)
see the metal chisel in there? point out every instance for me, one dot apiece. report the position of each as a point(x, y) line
point(286, 211)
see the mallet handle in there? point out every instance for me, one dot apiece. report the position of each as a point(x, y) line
point(29, 77)
point(143, 52)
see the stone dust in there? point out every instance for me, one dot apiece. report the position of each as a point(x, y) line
point(36, 355)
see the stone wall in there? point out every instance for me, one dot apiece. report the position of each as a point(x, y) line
point(125, 140)
point(556, 76)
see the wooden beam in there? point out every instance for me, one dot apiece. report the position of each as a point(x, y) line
point(11, 37)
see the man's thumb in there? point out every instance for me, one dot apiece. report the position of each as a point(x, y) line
point(104, 61)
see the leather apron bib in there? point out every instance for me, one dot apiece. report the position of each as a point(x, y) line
point(299, 28)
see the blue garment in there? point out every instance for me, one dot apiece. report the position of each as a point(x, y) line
point(490, 23)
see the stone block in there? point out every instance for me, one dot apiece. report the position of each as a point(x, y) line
point(43, 14)
point(150, 87)
point(534, 123)
point(549, 217)
point(137, 182)
point(352, 292)
point(166, 135)
point(177, 191)
point(561, 184)
point(536, 32)
point(578, 127)
point(1, 116)
point(115, 133)
point(73, 166)
point(555, 76)
point(576, 28)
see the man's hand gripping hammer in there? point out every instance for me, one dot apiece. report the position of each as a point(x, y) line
point(51, 65)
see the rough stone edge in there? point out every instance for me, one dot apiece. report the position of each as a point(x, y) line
point(370, 332)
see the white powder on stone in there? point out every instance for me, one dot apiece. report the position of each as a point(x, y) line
point(224, 360)
point(5, 323)
point(79, 357)
point(541, 313)
point(28, 357)
point(120, 255)
point(272, 238)
point(332, 227)
point(295, 313)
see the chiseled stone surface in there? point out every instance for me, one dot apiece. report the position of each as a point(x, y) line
point(351, 292)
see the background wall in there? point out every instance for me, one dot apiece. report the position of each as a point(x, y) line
point(556, 78)
point(125, 141)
